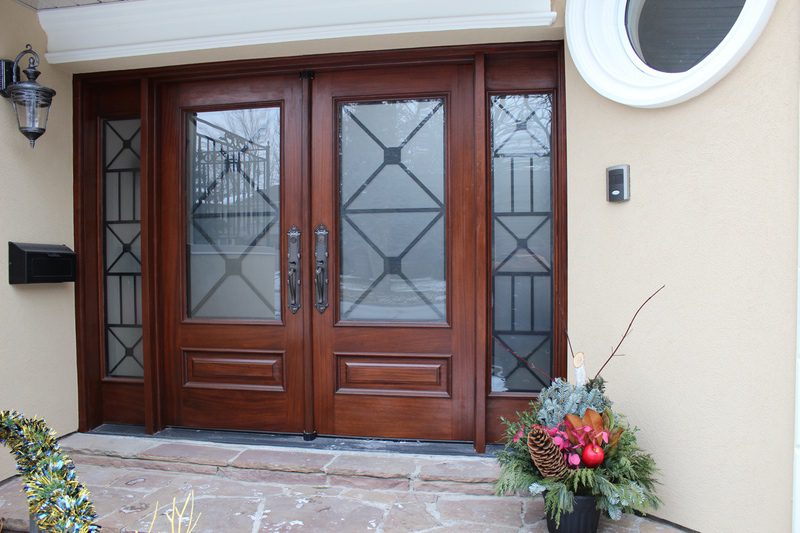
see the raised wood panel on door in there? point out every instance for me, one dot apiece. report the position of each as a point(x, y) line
point(423, 407)
point(393, 375)
point(229, 373)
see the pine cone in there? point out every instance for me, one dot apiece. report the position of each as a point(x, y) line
point(545, 454)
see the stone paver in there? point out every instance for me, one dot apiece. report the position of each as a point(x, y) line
point(191, 453)
point(13, 507)
point(485, 489)
point(284, 460)
point(115, 446)
point(319, 513)
point(385, 466)
point(409, 517)
point(470, 471)
point(268, 489)
point(505, 512)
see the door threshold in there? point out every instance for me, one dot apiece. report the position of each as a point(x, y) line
point(332, 443)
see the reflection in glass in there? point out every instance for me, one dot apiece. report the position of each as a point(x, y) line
point(233, 216)
point(522, 242)
point(122, 256)
point(675, 35)
point(392, 175)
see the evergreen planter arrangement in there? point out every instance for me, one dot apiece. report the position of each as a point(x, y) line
point(581, 455)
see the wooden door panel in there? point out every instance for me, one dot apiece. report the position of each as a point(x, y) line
point(384, 371)
point(393, 374)
point(234, 352)
point(397, 418)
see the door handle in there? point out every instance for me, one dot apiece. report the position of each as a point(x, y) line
point(321, 267)
point(293, 270)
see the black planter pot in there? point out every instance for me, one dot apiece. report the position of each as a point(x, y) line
point(584, 518)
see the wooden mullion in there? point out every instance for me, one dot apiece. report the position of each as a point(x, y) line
point(149, 222)
point(560, 311)
point(482, 212)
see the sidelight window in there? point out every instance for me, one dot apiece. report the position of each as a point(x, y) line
point(522, 242)
point(122, 253)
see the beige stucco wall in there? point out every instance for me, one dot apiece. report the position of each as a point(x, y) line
point(709, 372)
point(37, 323)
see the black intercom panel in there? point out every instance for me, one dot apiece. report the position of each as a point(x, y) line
point(618, 183)
point(40, 263)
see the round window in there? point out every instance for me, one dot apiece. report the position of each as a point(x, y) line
point(675, 35)
point(654, 53)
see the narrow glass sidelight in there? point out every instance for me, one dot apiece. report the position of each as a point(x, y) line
point(392, 211)
point(522, 242)
point(122, 248)
point(233, 214)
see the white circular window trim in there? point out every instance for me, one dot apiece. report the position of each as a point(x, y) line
point(599, 46)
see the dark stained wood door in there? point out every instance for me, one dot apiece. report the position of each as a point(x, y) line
point(230, 190)
point(387, 257)
point(392, 196)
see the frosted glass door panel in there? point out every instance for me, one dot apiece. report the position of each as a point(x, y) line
point(233, 214)
point(392, 226)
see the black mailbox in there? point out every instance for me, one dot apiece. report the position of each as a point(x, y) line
point(40, 263)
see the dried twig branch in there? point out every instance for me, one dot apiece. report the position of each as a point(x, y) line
point(630, 324)
point(566, 333)
point(518, 357)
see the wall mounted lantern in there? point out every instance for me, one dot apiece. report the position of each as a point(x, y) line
point(31, 100)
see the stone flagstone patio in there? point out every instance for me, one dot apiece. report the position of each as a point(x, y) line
point(241, 488)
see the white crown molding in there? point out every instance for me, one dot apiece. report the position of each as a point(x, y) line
point(144, 27)
point(599, 46)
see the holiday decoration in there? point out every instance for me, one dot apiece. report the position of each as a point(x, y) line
point(621, 475)
point(592, 456)
point(546, 455)
point(578, 446)
point(57, 501)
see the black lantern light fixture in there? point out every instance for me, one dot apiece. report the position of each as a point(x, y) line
point(31, 100)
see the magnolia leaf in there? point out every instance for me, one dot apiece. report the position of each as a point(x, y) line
point(574, 420)
point(615, 435)
point(592, 418)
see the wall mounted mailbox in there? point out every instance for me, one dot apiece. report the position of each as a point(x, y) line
point(40, 263)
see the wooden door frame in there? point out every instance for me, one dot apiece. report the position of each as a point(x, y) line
point(88, 91)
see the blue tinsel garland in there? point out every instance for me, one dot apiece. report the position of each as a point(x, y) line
point(56, 499)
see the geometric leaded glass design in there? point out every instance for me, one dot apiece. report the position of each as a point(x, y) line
point(233, 215)
point(122, 250)
point(392, 209)
point(522, 242)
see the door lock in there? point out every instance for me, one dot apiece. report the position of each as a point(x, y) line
point(293, 270)
point(321, 267)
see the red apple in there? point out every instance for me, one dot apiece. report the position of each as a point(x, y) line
point(593, 455)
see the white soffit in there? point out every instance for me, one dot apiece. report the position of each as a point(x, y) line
point(143, 27)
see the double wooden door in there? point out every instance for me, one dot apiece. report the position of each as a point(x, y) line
point(316, 250)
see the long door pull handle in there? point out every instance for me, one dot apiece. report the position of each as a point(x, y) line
point(321, 267)
point(293, 270)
